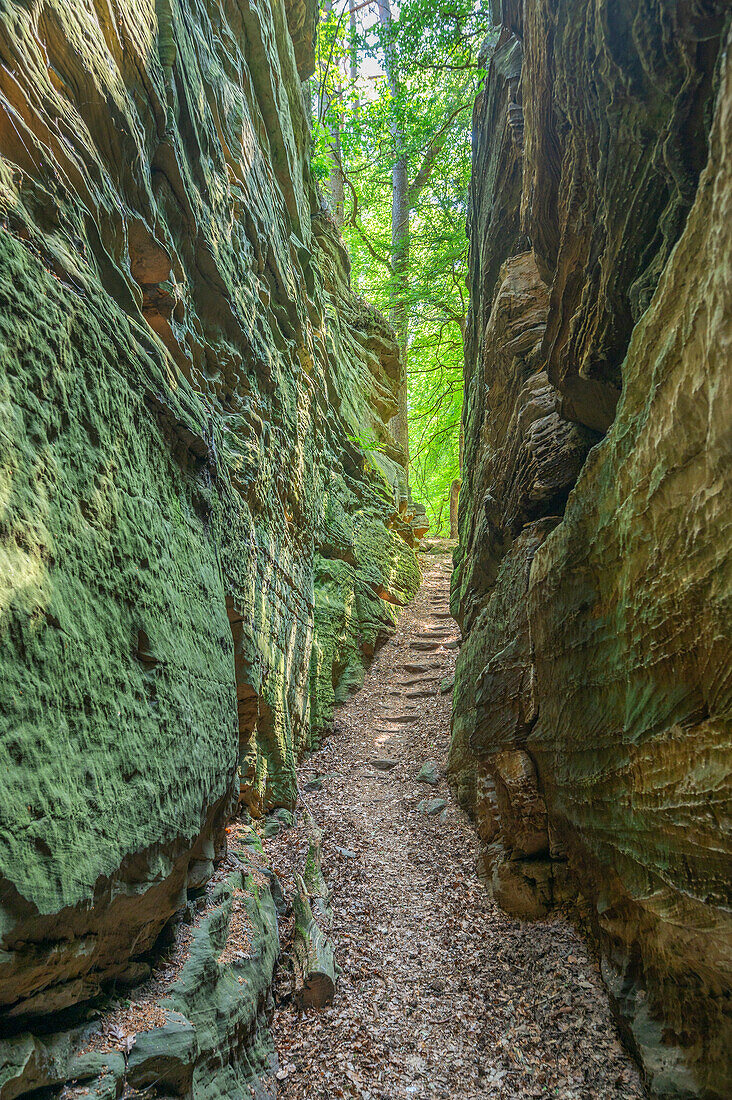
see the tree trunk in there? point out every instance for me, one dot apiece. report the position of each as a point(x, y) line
point(400, 266)
point(332, 122)
point(399, 315)
point(335, 172)
point(315, 966)
point(454, 497)
point(353, 58)
point(313, 878)
point(307, 95)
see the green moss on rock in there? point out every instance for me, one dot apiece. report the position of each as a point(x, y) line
point(213, 1040)
point(189, 395)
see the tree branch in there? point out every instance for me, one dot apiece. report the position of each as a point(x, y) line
point(353, 221)
point(434, 149)
point(324, 77)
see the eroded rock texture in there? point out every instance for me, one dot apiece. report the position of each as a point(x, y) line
point(197, 553)
point(199, 1028)
point(591, 733)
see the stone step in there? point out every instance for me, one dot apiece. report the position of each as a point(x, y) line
point(410, 702)
point(415, 692)
point(416, 667)
point(425, 647)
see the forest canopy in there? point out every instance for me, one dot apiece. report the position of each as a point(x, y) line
point(392, 100)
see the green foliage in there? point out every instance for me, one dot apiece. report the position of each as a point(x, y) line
point(366, 444)
point(319, 162)
point(431, 51)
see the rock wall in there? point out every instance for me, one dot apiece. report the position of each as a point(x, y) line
point(593, 698)
point(199, 543)
point(198, 1027)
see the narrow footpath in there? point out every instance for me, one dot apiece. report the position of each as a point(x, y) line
point(441, 994)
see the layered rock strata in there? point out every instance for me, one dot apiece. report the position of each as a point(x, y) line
point(198, 1028)
point(591, 732)
point(199, 540)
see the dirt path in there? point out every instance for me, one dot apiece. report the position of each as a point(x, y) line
point(442, 994)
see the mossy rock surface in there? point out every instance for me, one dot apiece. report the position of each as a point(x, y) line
point(190, 398)
point(212, 1040)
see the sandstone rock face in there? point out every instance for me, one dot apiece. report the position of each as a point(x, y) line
point(591, 732)
point(205, 1034)
point(198, 554)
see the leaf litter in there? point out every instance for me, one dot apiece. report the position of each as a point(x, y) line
point(441, 994)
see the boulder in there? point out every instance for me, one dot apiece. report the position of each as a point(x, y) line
point(431, 806)
point(429, 773)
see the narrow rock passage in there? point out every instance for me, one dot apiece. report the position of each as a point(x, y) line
point(441, 994)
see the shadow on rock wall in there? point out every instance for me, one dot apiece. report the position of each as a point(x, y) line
point(591, 731)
